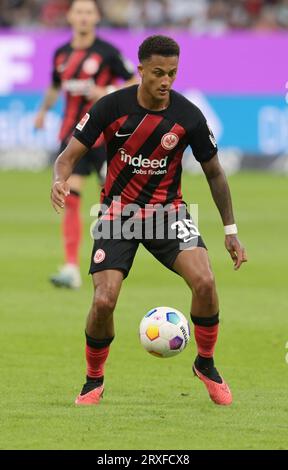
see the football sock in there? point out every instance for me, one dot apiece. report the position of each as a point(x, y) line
point(206, 332)
point(97, 352)
point(206, 367)
point(91, 384)
point(72, 228)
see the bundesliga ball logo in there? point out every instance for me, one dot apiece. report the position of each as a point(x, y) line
point(169, 141)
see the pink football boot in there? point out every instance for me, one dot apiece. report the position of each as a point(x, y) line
point(219, 392)
point(91, 398)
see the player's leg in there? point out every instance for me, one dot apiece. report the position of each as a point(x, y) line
point(183, 251)
point(194, 267)
point(72, 223)
point(99, 333)
point(72, 226)
point(111, 262)
point(69, 275)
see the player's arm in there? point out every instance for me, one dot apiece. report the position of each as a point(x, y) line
point(63, 168)
point(86, 133)
point(50, 99)
point(51, 95)
point(96, 92)
point(222, 197)
point(132, 81)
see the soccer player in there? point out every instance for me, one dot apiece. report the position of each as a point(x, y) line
point(147, 129)
point(86, 69)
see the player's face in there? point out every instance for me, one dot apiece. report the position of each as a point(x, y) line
point(158, 74)
point(83, 16)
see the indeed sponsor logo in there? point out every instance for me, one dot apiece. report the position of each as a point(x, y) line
point(140, 162)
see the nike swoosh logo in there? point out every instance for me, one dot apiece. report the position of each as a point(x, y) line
point(122, 135)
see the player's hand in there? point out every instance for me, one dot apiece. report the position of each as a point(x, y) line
point(39, 120)
point(95, 92)
point(59, 192)
point(236, 250)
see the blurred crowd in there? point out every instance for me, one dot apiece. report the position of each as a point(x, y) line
point(198, 16)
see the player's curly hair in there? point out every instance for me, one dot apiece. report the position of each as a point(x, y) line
point(159, 45)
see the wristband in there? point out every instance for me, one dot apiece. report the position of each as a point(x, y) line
point(230, 229)
point(110, 89)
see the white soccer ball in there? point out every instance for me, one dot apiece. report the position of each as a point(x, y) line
point(164, 332)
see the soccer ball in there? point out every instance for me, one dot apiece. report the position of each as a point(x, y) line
point(164, 332)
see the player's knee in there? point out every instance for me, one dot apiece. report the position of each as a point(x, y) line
point(104, 302)
point(204, 286)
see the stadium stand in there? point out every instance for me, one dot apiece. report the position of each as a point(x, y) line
point(199, 16)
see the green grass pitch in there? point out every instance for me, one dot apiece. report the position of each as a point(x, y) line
point(149, 403)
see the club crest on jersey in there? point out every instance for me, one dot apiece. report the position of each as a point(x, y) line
point(169, 141)
point(91, 66)
point(99, 256)
point(80, 126)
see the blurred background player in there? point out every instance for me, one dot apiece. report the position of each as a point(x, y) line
point(86, 69)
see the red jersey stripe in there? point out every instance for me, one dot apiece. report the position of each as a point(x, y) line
point(135, 186)
point(161, 192)
point(160, 195)
point(104, 77)
point(74, 104)
point(111, 130)
point(60, 59)
point(132, 145)
point(109, 133)
point(73, 63)
point(142, 132)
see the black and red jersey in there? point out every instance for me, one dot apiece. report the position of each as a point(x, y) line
point(74, 70)
point(145, 148)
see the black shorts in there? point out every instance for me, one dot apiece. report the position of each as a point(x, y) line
point(118, 252)
point(94, 160)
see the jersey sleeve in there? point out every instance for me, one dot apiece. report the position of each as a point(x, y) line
point(202, 141)
point(94, 122)
point(121, 67)
point(56, 79)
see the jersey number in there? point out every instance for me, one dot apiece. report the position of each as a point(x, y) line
point(187, 230)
